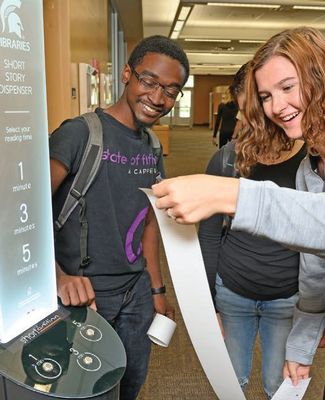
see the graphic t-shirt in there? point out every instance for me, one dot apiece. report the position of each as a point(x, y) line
point(116, 208)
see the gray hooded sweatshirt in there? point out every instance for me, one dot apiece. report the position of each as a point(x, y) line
point(295, 219)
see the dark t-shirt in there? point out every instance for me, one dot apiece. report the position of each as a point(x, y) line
point(251, 266)
point(226, 118)
point(116, 208)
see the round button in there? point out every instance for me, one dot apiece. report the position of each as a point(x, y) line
point(88, 360)
point(91, 333)
point(47, 366)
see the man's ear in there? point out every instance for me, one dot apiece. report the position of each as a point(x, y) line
point(126, 74)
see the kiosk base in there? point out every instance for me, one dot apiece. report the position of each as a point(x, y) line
point(72, 354)
point(12, 391)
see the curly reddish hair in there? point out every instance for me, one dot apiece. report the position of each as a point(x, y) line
point(304, 47)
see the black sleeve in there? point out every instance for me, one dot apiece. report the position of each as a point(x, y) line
point(218, 120)
point(67, 143)
point(210, 231)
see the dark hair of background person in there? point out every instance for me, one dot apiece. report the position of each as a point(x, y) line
point(161, 45)
point(238, 84)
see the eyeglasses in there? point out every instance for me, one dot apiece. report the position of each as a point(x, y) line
point(150, 84)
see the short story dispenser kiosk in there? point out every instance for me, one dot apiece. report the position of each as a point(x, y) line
point(71, 354)
point(46, 350)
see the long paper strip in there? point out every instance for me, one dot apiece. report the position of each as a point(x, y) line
point(191, 286)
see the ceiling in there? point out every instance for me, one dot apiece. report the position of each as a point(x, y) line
point(219, 37)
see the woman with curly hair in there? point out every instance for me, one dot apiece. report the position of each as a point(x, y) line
point(285, 92)
point(286, 101)
point(255, 280)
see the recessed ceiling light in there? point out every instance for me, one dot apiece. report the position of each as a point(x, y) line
point(201, 53)
point(175, 35)
point(207, 40)
point(215, 65)
point(184, 13)
point(179, 25)
point(251, 41)
point(249, 5)
point(309, 7)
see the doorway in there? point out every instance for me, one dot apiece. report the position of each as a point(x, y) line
point(182, 112)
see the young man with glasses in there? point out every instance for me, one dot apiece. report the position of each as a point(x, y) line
point(123, 281)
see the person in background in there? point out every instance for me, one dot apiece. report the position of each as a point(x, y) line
point(237, 93)
point(255, 279)
point(123, 280)
point(225, 121)
point(285, 95)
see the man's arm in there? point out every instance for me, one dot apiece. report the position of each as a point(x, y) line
point(72, 290)
point(58, 174)
point(150, 245)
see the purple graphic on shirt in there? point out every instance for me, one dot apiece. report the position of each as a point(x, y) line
point(138, 160)
point(132, 257)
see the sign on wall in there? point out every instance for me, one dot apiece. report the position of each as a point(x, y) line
point(27, 271)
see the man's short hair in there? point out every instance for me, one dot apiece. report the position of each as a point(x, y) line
point(238, 84)
point(161, 45)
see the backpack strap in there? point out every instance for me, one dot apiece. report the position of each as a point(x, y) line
point(228, 159)
point(87, 172)
point(154, 142)
point(156, 147)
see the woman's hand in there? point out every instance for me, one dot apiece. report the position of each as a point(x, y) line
point(192, 198)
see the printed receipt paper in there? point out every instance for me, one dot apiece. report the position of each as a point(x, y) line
point(187, 271)
point(289, 392)
point(191, 286)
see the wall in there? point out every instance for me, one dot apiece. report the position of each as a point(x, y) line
point(203, 85)
point(74, 31)
point(57, 60)
point(89, 27)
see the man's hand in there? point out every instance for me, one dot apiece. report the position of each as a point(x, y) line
point(162, 306)
point(295, 371)
point(214, 141)
point(75, 290)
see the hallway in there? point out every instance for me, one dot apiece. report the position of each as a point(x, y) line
point(175, 373)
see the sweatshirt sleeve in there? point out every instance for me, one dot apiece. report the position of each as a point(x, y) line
point(304, 337)
point(293, 218)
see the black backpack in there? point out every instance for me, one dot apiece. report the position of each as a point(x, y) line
point(228, 158)
point(83, 179)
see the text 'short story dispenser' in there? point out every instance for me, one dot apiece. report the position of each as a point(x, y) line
point(46, 350)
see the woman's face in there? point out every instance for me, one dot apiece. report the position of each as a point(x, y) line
point(278, 88)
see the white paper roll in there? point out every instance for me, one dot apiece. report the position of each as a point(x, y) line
point(161, 330)
point(191, 286)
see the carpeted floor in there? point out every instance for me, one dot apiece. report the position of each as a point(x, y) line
point(175, 373)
